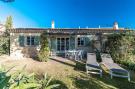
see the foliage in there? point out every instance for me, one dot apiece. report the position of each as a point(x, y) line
point(45, 81)
point(98, 56)
point(96, 50)
point(22, 80)
point(44, 50)
point(4, 78)
point(122, 48)
point(4, 45)
point(9, 22)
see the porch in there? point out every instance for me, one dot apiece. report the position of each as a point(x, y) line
point(61, 44)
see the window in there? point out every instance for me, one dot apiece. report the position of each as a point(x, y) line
point(62, 44)
point(81, 41)
point(30, 40)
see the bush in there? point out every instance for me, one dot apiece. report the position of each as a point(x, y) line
point(44, 52)
point(130, 65)
point(122, 48)
point(4, 45)
point(22, 80)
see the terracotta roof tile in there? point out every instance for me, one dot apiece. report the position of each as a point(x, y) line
point(66, 30)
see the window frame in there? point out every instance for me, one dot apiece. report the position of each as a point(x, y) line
point(31, 38)
point(80, 41)
point(65, 45)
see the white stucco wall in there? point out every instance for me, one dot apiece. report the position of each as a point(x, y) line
point(19, 52)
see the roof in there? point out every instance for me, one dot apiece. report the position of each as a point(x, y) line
point(67, 30)
point(27, 30)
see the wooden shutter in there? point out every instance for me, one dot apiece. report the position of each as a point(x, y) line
point(72, 42)
point(87, 41)
point(37, 40)
point(21, 41)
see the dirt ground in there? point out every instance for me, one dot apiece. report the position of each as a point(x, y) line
point(53, 66)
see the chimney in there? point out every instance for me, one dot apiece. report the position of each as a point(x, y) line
point(115, 26)
point(99, 26)
point(53, 24)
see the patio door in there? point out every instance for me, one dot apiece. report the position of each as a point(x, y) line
point(62, 44)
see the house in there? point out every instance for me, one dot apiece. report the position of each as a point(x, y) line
point(2, 29)
point(25, 42)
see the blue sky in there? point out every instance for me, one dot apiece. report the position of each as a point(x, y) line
point(69, 13)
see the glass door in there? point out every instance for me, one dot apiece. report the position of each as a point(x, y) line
point(62, 44)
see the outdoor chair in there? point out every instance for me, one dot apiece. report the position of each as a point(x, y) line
point(92, 65)
point(53, 53)
point(114, 69)
point(69, 54)
point(79, 55)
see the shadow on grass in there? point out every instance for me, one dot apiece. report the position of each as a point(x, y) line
point(95, 82)
point(120, 83)
point(62, 85)
point(80, 66)
point(85, 83)
point(68, 64)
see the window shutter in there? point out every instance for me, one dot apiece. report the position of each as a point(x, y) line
point(72, 42)
point(87, 41)
point(37, 40)
point(21, 41)
point(53, 43)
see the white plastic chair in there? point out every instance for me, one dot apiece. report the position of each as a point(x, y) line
point(79, 55)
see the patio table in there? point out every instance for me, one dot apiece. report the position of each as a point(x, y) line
point(72, 53)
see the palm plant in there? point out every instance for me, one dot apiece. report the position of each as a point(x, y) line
point(45, 83)
point(22, 80)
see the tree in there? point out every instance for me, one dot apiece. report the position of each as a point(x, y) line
point(44, 50)
point(9, 22)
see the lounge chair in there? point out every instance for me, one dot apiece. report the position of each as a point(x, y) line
point(92, 65)
point(114, 69)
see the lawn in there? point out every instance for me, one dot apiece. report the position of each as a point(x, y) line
point(70, 74)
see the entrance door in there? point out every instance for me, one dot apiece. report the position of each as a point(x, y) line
point(62, 44)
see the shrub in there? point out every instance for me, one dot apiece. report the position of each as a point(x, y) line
point(44, 52)
point(45, 82)
point(22, 80)
point(122, 48)
point(4, 44)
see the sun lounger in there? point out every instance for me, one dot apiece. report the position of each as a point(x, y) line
point(92, 65)
point(115, 69)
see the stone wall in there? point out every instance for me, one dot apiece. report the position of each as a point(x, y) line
point(18, 51)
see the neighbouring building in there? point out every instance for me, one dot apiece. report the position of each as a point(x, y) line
point(2, 29)
point(25, 42)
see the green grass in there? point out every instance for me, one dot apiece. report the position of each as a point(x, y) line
point(74, 77)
